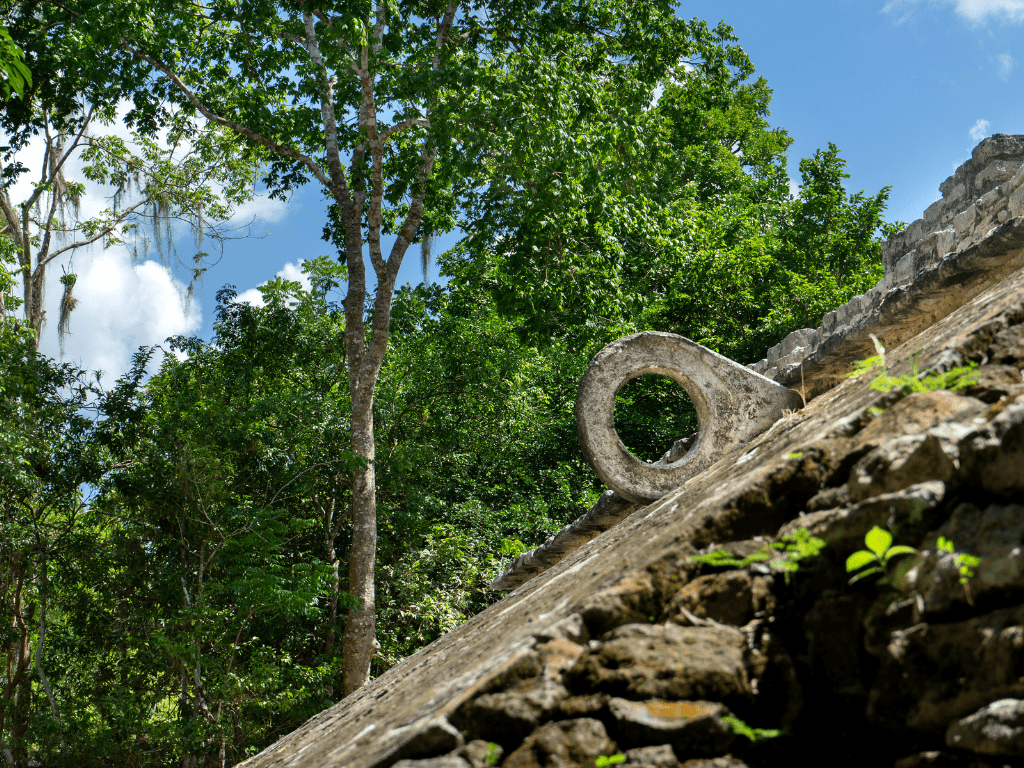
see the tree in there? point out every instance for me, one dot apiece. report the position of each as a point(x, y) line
point(408, 95)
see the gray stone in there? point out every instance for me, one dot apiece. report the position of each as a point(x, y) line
point(427, 738)
point(445, 761)
point(1008, 345)
point(509, 716)
point(933, 674)
point(733, 404)
point(732, 597)
point(566, 744)
point(641, 661)
point(997, 729)
point(995, 535)
point(652, 757)
point(482, 754)
point(994, 457)
point(690, 727)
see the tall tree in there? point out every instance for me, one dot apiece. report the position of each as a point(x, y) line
point(384, 104)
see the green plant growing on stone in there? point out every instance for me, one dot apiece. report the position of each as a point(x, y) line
point(965, 562)
point(928, 380)
point(783, 555)
point(754, 734)
point(605, 760)
point(493, 753)
point(878, 553)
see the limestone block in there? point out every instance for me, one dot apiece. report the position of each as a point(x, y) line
point(996, 729)
point(996, 173)
point(989, 198)
point(666, 661)
point(915, 231)
point(570, 743)
point(944, 242)
point(933, 213)
point(688, 726)
point(963, 222)
point(954, 194)
point(1003, 215)
point(906, 268)
point(1016, 203)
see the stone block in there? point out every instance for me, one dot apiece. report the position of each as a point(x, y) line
point(915, 231)
point(906, 268)
point(933, 213)
point(963, 222)
point(996, 729)
point(996, 173)
point(988, 199)
point(1016, 203)
point(944, 241)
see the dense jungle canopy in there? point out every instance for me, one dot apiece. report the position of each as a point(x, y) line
point(184, 553)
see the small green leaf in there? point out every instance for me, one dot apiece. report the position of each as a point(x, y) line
point(795, 455)
point(878, 540)
point(900, 550)
point(859, 560)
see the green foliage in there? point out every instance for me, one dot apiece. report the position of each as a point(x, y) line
point(784, 555)
point(493, 753)
point(878, 553)
point(14, 75)
point(916, 381)
point(966, 563)
point(603, 761)
point(754, 734)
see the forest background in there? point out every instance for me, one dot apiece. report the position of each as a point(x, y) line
point(176, 562)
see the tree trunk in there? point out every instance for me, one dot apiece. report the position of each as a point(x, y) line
point(360, 641)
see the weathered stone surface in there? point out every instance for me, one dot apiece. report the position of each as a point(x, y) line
point(1008, 347)
point(690, 727)
point(628, 602)
point(844, 528)
point(753, 491)
point(933, 674)
point(995, 535)
point(733, 404)
point(641, 661)
point(567, 744)
point(652, 757)
point(478, 752)
point(732, 598)
point(997, 729)
point(993, 459)
point(993, 381)
point(727, 761)
point(445, 761)
point(509, 716)
point(427, 738)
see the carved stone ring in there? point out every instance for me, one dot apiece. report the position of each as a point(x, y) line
point(734, 404)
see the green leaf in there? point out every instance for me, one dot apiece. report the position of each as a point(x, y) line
point(899, 550)
point(878, 540)
point(859, 559)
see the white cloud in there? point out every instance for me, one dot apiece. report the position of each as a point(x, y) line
point(975, 11)
point(290, 271)
point(1006, 63)
point(980, 130)
point(121, 306)
point(262, 209)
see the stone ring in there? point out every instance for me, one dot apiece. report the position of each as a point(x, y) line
point(734, 404)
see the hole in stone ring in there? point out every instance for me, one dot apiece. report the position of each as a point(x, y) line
point(652, 412)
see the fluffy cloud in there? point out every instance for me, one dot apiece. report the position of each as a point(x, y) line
point(290, 271)
point(976, 11)
point(980, 130)
point(121, 306)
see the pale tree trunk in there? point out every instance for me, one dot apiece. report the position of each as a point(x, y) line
point(349, 191)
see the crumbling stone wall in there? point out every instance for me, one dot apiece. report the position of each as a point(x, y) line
point(631, 647)
point(931, 267)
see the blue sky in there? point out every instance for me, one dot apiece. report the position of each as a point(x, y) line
point(905, 89)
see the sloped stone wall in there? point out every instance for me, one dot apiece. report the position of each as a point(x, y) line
point(931, 268)
point(631, 647)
